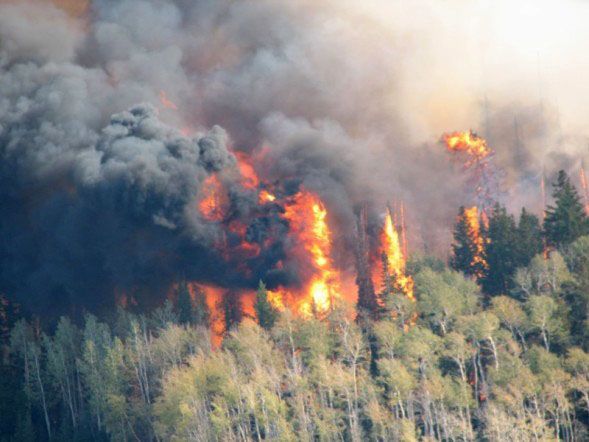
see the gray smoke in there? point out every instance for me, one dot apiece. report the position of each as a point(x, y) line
point(100, 192)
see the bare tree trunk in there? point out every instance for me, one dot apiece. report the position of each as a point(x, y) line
point(42, 390)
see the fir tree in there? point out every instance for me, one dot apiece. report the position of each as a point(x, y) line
point(566, 220)
point(501, 252)
point(184, 306)
point(386, 295)
point(232, 310)
point(529, 238)
point(202, 312)
point(367, 304)
point(266, 313)
point(464, 249)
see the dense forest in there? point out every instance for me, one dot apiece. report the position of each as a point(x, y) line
point(490, 348)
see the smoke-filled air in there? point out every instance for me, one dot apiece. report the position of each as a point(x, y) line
point(317, 220)
point(219, 142)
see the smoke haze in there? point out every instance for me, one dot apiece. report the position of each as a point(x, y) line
point(100, 177)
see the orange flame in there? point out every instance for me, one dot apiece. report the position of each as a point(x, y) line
point(249, 178)
point(211, 206)
point(308, 220)
point(469, 143)
point(266, 197)
point(396, 258)
point(471, 215)
point(213, 296)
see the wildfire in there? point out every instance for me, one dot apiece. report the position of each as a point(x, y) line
point(266, 197)
point(308, 220)
point(395, 256)
point(468, 142)
point(249, 178)
point(471, 215)
point(213, 296)
point(484, 177)
point(212, 202)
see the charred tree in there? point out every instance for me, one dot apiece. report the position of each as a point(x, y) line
point(367, 302)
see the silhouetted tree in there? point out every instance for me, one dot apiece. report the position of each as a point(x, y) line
point(501, 252)
point(566, 220)
point(367, 300)
point(232, 309)
point(464, 249)
point(529, 238)
point(202, 312)
point(184, 305)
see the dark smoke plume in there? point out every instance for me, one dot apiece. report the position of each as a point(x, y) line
point(99, 193)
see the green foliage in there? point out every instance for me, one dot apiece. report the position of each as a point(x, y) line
point(502, 253)
point(542, 276)
point(576, 291)
point(266, 313)
point(528, 240)
point(450, 365)
point(444, 296)
point(566, 220)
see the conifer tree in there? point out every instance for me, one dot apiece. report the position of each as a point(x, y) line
point(184, 306)
point(566, 220)
point(368, 306)
point(232, 309)
point(386, 296)
point(265, 312)
point(529, 238)
point(202, 312)
point(464, 250)
point(501, 252)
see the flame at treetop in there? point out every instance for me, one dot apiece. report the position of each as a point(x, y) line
point(468, 142)
point(395, 256)
point(479, 263)
point(308, 220)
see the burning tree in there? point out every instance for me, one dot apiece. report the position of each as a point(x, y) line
point(394, 257)
point(476, 159)
point(367, 300)
point(468, 249)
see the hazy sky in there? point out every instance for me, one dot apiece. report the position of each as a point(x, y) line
point(459, 51)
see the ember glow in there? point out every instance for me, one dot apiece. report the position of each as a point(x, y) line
point(266, 197)
point(213, 200)
point(249, 178)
